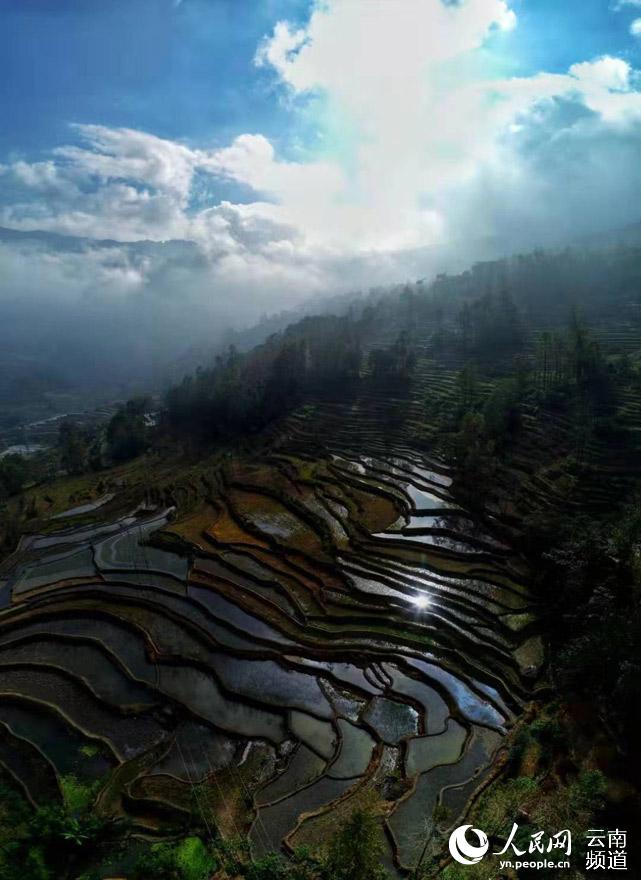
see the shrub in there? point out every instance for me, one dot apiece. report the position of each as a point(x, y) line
point(355, 851)
point(269, 867)
point(77, 795)
point(158, 862)
point(188, 860)
point(193, 860)
point(587, 793)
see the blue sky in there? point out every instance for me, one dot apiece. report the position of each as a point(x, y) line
point(553, 34)
point(181, 71)
point(185, 70)
point(310, 145)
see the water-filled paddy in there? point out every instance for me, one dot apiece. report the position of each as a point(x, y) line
point(293, 654)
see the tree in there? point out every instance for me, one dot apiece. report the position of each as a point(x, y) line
point(243, 392)
point(467, 385)
point(473, 458)
point(128, 432)
point(396, 361)
point(465, 324)
point(188, 860)
point(545, 345)
point(502, 412)
point(73, 446)
point(10, 531)
point(381, 362)
point(14, 472)
point(355, 851)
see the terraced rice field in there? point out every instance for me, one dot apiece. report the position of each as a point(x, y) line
point(328, 629)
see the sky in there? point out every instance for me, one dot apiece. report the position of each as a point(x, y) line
point(306, 146)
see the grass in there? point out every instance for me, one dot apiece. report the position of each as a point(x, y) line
point(77, 795)
point(89, 750)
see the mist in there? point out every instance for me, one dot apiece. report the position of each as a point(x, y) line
point(413, 146)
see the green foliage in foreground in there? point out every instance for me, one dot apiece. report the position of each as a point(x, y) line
point(53, 842)
point(65, 842)
point(354, 853)
point(188, 860)
point(77, 795)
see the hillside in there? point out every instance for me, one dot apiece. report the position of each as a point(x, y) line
point(335, 583)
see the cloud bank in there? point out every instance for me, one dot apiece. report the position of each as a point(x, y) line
point(426, 156)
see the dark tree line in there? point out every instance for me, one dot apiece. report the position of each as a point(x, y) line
point(491, 326)
point(566, 371)
point(244, 392)
point(397, 361)
point(127, 435)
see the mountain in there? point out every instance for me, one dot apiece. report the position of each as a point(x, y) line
point(172, 249)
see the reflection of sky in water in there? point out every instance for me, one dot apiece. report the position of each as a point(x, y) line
point(392, 720)
point(469, 703)
point(423, 500)
point(227, 611)
point(267, 681)
point(431, 540)
point(268, 699)
point(433, 477)
point(279, 524)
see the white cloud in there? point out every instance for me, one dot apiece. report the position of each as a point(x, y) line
point(118, 183)
point(441, 151)
point(347, 47)
point(251, 160)
point(116, 154)
point(635, 27)
point(427, 111)
point(606, 72)
point(278, 50)
point(379, 66)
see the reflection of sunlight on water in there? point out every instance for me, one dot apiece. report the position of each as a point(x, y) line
point(420, 601)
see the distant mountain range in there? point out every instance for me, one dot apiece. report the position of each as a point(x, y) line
point(174, 249)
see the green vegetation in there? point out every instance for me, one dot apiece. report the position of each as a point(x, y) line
point(68, 842)
point(534, 404)
point(243, 393)
point(591, 578)
point(189, 859)
point(396, 361)
point(543, 789)
point(78, 796)
point(89, 750)
point(128, 434)
point(52, 842)
point(73, 444)
point(355, 852)
point(14, 473)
